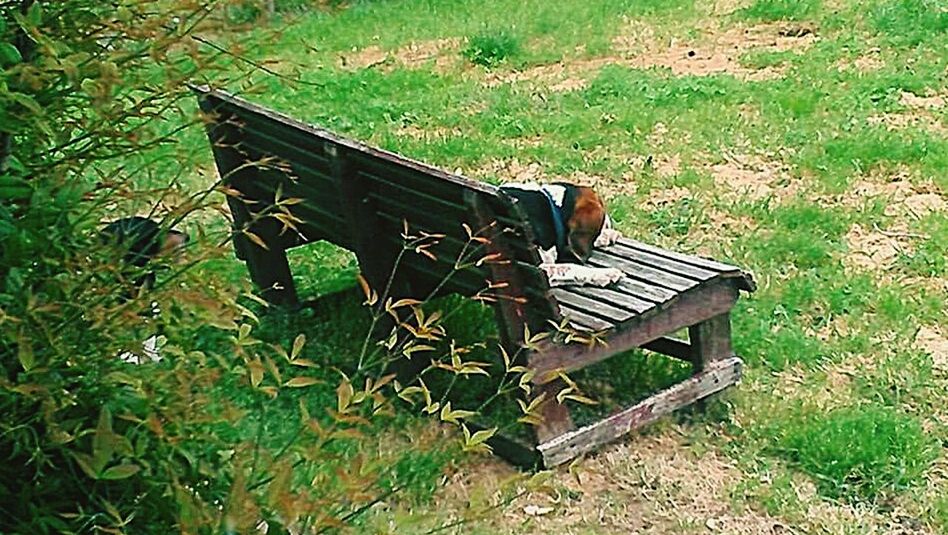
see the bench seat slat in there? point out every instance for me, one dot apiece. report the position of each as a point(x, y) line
point(662, 263)
point(698, 261)
point(614, 298)
point(582, 321)
point(592, 306)
point(639, 271)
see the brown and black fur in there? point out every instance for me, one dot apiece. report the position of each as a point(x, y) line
point(583, 214)
point(141, 241)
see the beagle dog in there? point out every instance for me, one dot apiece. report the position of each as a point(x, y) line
point(140, 241)
point(568, 221)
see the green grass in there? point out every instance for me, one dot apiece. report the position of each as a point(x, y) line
point(872, 437)
point(490, 49)
point(858, 452)
point(910, 22)
point(781, 9)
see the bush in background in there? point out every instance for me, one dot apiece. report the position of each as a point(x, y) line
point(490, 49)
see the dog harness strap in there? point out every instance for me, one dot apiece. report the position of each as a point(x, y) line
point(558, 225)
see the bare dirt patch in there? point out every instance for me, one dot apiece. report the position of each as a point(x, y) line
point(712, 52)
point(428, 133)
point(718, 52)
point(557, 77)
point(913, 119)
point(905, 201)
point(654, 484)
point(753, 177)
point(441, 53)
point(873, 250)
point(922, 112)
point(934, 341)
point(868, 62)
point(511, 171)
point(649, 484)
point(928, 102)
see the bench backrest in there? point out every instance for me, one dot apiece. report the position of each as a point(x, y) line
point(359, 197)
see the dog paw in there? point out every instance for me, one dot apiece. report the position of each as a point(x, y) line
point(603, 276)
point(607, 237)
point(612, 275)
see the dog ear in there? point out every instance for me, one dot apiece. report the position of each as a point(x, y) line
point(589, 214)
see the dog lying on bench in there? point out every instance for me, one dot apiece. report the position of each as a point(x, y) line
point(568, 221)
point(141, 241)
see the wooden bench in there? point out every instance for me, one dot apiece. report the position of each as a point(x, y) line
point(359, 197)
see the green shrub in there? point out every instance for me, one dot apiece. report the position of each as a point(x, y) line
point(857, 452)
point(491, 49)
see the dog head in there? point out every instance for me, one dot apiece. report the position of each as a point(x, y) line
point(585, 223)
point(142, 240)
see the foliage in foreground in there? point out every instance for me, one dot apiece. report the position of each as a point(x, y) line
point(90, 442)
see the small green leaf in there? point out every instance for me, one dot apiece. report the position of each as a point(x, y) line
point(297, 346)
point(121, 471)
point(25, 353)
point(35, 14)
point(300, 382)
point(102, 442)
point(85, 463)
point(256, 372)
point(9, 54)
point(344, 393)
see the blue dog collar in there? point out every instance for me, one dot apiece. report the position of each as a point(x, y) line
point(558, 225)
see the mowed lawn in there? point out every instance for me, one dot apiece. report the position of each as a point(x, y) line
point(806, 141)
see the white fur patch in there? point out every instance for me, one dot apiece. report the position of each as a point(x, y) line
point(576, 274)
point(151, 349)
point(557, 193)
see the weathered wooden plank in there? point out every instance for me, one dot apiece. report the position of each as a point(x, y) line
point(646, 291)
point(673, 347)
point(288, 154)
point(613, 297)
point(313, 206)
point(250, 112)
point(692, 307)
point(659, 262)
point(390, 186)
point(448, 250)
point(642, 272)
point(591, 306)
point(253, 125)
point(701, 262)
point(567, 446)
point(582, 321)
point(711, 340)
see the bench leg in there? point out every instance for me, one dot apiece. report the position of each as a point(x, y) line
point(710, 341)
point(555, 415)
point(270, 272)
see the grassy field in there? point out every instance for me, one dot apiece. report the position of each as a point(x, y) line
point(806, 141)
